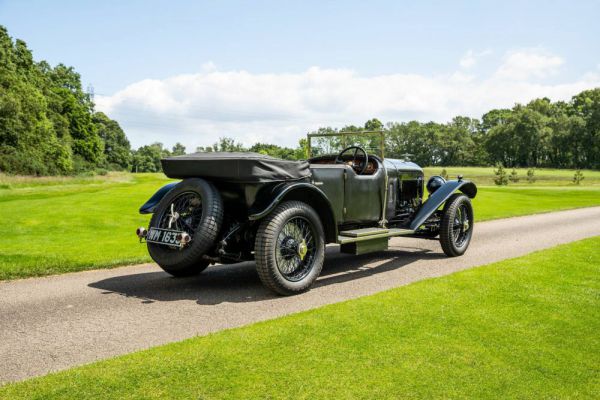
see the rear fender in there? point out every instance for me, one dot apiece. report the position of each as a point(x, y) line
point(439, 197)
point(306, 193)
point(150, 206)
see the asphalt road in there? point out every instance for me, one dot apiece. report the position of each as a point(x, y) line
point(53, 323)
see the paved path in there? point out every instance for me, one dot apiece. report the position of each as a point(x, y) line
point(49, 324)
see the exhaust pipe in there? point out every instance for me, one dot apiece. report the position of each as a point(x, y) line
point(184, 238)
point(141, 232)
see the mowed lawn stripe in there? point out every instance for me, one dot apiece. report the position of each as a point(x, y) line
point(521, 328)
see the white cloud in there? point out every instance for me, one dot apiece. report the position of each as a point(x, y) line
point(471, 58)
point(196, 109)
point(526, 64)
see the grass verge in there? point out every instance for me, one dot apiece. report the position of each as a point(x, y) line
point(521, 328)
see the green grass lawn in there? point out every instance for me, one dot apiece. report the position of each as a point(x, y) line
point(54, 225)
point(503, 202)
point(544, 176)
point(553, 190)
point(521, 328)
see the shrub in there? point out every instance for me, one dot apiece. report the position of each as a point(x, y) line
point(531, 175)
point(82, 166)
point(24, 163)
point(514, 176)
point(501, 178)
point(578, 177)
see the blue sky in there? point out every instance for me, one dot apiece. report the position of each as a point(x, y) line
point(193, 71)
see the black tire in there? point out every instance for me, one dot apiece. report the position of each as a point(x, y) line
point(456, 227)
point(204, 225)
point(278, 237)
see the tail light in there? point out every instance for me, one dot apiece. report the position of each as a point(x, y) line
point(184, 238)
point(141, 232)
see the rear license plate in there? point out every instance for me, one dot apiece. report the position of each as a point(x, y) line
point(167, 237)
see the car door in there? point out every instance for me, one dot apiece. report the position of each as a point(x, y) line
point(363, 196)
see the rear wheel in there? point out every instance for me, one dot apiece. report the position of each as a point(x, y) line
point(456, 228)
point(195, 207)
point(290, 248)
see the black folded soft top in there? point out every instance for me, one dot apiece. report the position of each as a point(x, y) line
point(234, 167)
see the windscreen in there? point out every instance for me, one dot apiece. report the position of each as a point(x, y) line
point(334, 143)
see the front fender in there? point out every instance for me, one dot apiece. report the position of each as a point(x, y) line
point(439, 197)
point(149, 206)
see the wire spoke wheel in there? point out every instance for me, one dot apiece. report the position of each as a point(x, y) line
point(193, 206)
point(290, 248)
point(461, 226)
point(456, 225)
point(295, 249)
point(184, 214)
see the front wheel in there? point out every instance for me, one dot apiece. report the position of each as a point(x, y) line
point(456, 228)
point(290, 248)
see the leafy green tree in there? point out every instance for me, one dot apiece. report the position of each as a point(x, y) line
point(46, 119)
point(147, 158)
point(326, 144)
point(285, 153)
point(28, 140)
point(301, 152)
point(77, 108)
point(457, 141)
point(178, 149)
point(373, 125)
point(228, 144)
point(117, 149)
point(586, 106)
point(565, 145)
point(494, 118)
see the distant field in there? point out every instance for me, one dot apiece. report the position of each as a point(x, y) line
point(544, 176)
point(525, 328)
point(53, 225)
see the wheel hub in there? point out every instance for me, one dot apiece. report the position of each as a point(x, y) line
point(302, 249)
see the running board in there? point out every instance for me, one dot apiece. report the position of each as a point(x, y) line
point(366, 234)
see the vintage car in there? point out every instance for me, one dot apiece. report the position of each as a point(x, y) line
point(234, 207)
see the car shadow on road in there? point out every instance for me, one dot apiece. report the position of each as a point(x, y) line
point(238, 283)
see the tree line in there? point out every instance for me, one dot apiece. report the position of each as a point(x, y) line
point(48, 126)
point(147, 158)
point(541, 133)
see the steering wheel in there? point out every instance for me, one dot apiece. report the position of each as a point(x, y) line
point(355, 165)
